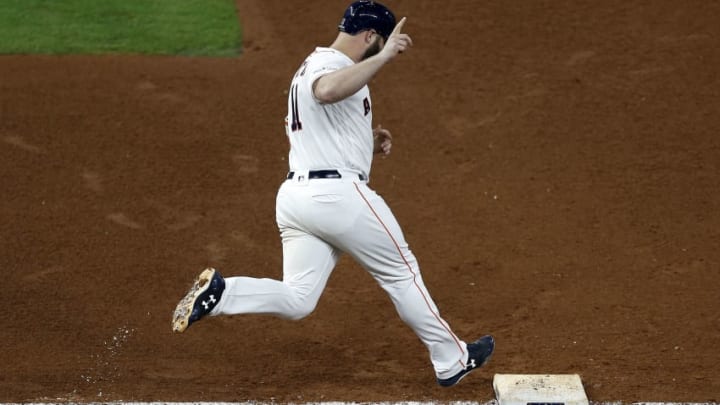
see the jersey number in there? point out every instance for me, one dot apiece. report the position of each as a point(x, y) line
point(295, 123)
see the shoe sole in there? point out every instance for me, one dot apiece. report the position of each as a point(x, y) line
point(183, 310)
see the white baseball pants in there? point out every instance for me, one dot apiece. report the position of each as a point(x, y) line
point(319, 219)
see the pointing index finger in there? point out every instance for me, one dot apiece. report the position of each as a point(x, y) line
point(399, 26)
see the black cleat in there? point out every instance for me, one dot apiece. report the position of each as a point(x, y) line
point(479, 352)
point(200, 300)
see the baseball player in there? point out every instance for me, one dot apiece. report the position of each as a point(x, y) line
point(325, 207)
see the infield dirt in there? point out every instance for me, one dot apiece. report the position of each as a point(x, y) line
point(555, 170)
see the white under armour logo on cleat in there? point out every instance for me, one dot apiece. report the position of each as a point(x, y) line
point(471, 364)
point(206, 304)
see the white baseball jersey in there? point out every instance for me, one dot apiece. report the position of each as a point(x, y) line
point(328, 136)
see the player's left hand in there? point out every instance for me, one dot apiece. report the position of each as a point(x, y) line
point(397, 43)
point(383, 140)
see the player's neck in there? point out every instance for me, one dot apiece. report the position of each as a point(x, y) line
point(349, 45)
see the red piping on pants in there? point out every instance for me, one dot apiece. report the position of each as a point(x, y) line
point(413, 273)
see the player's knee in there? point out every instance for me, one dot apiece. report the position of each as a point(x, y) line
point(300, 310)
point(298, 314)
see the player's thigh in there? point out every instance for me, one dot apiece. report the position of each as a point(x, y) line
point(376, 240)
point(307, 261)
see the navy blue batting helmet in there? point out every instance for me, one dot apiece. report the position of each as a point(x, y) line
point(366, 15)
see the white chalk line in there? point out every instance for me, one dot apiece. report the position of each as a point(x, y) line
point(491, 402)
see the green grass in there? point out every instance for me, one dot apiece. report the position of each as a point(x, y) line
point(165, 27)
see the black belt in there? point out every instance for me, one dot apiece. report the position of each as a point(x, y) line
point(324, 174)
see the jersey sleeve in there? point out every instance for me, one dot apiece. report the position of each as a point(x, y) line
point(320, 64)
